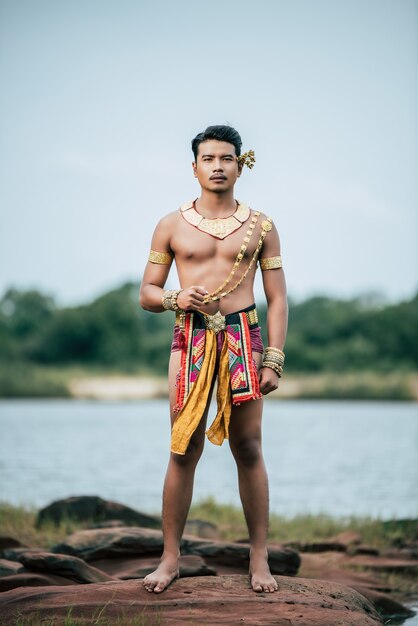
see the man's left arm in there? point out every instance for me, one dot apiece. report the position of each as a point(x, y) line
point(274, 283)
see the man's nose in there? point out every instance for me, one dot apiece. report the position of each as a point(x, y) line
point(217, 166)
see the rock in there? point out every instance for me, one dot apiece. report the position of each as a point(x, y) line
point(333, 567)
point(201, 528)
point(111, 523)
point(402, 553)
point(137, 567)
point(404, 566)
point(363, 549)
point(130, 540)
point(30, 579)
point(63, 565)
point(9, 567)
point(347, 538)
point(13, 554)
point(215, 600)
point(281, 560)
point(9, 542)
point(317, 546)
point(82, 508)
point(108, 542)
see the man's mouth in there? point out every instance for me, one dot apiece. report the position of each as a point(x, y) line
point(217, 178)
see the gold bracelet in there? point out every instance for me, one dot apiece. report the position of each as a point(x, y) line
point(275, 351)
point(271, 263)
point(161, 258)
point(169, 299)
point(274, 366)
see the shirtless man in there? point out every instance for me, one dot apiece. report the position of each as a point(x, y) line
point(206, 252)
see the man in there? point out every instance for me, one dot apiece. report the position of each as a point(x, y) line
point(216, 242)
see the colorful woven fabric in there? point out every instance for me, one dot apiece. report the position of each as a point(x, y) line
point(237, 377)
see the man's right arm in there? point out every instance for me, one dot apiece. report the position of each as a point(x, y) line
point(155, 275)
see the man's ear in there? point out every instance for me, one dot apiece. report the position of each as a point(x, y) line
point(194, 168)
point(240, 167)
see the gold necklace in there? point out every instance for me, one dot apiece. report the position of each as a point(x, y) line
point(215, 295)
point(219, 227)
point(210, 297)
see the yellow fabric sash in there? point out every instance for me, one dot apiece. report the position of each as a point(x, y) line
point(189, 417)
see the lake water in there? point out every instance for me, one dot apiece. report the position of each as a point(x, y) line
point(335, 457)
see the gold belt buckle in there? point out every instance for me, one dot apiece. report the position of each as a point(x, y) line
point(215, 322)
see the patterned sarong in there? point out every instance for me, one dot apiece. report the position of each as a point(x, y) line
point(237, 373)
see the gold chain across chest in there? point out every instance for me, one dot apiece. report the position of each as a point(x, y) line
point(221, 292)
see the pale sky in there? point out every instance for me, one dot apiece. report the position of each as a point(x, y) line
point(100, 99)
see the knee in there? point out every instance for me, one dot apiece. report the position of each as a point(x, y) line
point(191, 456)
point(246, 451)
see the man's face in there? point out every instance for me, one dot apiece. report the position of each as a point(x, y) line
point(216, 165)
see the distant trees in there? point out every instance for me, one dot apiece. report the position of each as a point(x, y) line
point(325, 334)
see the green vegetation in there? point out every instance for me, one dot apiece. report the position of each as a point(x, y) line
point(19, 522)
point(360, 347)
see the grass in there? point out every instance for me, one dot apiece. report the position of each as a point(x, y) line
point(306, 528)
point(20, 523)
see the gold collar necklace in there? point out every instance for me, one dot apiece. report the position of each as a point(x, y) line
point(219, 227)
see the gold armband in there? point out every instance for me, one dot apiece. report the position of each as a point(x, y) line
point(272, 263)
point(162, 258)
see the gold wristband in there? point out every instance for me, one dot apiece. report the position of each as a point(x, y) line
point(169, 299)
point(161, 258)
point(271, 263)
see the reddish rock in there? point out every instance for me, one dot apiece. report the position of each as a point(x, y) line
point(126, 568)
point(404, 566)
point(9, 567)
point(31, 579)
point(131, 540)
point(347, 538)
point(333, 568)
point(317, 546)
point(63, 565)
point(213, 601)
point(364, 549)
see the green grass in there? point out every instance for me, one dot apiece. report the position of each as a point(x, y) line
point(305, 528)
point(19, 522)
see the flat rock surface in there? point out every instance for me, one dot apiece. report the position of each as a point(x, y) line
point(220, 600)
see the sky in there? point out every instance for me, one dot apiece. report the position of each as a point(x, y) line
point(100, 99)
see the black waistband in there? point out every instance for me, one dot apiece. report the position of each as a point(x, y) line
point(230, 318)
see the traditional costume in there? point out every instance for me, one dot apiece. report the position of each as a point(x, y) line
point(224, 343)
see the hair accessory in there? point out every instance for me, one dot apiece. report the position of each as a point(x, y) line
point(247, 158)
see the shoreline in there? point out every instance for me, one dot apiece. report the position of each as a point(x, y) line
point(30, 381)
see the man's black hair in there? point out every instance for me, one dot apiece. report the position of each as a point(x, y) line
point(221, 133)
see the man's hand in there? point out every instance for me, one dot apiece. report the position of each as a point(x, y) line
point(191, 299)
point(269, 380)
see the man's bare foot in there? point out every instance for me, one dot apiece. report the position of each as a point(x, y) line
point(261, 578)
point(165, 573)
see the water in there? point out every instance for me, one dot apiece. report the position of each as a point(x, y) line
point(334, 457)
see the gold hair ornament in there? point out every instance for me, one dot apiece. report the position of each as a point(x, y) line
point(247, 158)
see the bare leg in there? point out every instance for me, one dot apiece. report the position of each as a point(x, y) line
point(177, 494)
point(245, 443)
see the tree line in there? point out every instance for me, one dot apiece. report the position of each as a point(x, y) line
point(325, 334)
